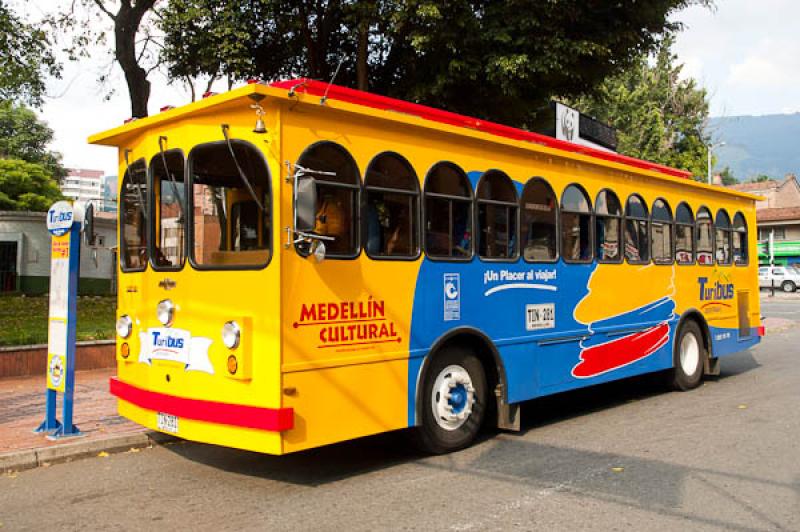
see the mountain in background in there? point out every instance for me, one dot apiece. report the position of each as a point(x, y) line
point(768, 144)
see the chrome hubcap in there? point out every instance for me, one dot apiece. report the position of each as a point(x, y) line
point(452, 397)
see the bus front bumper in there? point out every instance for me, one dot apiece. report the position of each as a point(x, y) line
point(254, 417)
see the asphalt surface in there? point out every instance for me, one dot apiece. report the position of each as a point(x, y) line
point(628, 455)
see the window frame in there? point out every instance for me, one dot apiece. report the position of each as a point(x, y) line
point(691, 232)
point(620, 220)
point(146, 221)
point(416, 193)
point(556, 224)
point(590, 213)
point(671, 224)
point(356, 223)
point(190, 207)
point(696, 240)
point(515, 205)
point(470, 199)
point(646, 220)
point(729, 237)
point(153, 229)
point(746, 234)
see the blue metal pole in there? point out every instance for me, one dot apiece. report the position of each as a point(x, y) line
point(68, 428)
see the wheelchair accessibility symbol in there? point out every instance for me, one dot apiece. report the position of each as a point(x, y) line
point(452, 297)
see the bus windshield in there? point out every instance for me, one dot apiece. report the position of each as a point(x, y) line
point(229, 228)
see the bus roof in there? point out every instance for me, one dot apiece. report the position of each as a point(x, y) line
point(401, 111)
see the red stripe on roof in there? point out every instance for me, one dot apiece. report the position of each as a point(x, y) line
point(376, 101)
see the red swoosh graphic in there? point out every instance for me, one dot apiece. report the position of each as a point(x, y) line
point(602, 358)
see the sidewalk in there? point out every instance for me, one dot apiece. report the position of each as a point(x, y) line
point(22, 410)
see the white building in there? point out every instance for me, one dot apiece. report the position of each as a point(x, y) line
point(84, 185)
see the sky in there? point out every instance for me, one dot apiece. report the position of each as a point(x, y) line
point(746, 53)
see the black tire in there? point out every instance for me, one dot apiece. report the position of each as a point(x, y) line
point(788, 287)
point(432, 435)
point(687, 373)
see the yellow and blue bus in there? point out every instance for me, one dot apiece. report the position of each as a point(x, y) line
point(302, 264)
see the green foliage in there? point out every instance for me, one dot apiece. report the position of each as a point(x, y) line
point(659, 116)
point(759, 178)
point(24, 136)
point(25, 59)
point(728, 178)
point(495, 60)
point(26, 186)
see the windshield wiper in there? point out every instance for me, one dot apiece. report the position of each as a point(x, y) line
point(138, 187)
point(172, 180)
point(243, 177)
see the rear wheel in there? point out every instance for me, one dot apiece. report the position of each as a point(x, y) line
point(788, 286)
point(688, 358)
point(453, 401)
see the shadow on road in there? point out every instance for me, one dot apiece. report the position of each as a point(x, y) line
point(349, 459)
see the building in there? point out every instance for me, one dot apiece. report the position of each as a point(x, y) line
point(25, 255)
point(109, 194)
point(777, 214)
point(84, 185)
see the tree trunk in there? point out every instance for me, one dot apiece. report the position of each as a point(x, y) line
point(126, 24)
point(362, 51)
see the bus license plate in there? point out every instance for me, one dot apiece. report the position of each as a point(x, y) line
point(167, 422)
point(540, 316)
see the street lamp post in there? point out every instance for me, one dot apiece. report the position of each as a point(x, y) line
point(710, 148)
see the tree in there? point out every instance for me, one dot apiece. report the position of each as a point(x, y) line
point(727, 177)
point(494, 60)
point(26, 186)
point(659, 116)
point(126, 17)
point(23, 136)
point(25, 60)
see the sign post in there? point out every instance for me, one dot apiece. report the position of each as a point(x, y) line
point(64, 222)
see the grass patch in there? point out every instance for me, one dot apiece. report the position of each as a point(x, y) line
point(23, 320)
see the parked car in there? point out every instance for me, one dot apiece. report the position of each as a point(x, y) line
point(787, 279)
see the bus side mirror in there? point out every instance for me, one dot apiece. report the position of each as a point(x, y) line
point(88, 225)
point(305, 204)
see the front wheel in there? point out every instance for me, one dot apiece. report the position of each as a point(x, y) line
point(454, 401)
point(688, 358)
point(788, 287)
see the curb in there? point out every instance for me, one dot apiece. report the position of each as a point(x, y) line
point(32, 458)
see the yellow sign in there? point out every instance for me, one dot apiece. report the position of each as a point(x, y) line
point(60, 247)
point(56, 372)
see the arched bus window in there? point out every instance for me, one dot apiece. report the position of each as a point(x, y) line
point(576, 225)
point(636, 241)
point(722, 237)
point(684, 234)
point(497, 216)
point(133, 218)
point(539, 221)
point(704, 237)
point(391, 217)
point(608, 227)
point(739, 235)
point(169, 200)
point(661, 232)
point(338, 188)
point(230, 226)
point(448, 213)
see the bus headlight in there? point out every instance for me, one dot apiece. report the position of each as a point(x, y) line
point(231, 334)
point(165, 312)
point(124, 326)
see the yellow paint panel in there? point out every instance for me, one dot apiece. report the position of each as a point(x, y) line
point(346, 402)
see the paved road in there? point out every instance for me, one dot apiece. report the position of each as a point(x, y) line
point(785, 306)
point(620, 456)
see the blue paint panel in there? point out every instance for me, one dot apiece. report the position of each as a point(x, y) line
point(725, 341)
